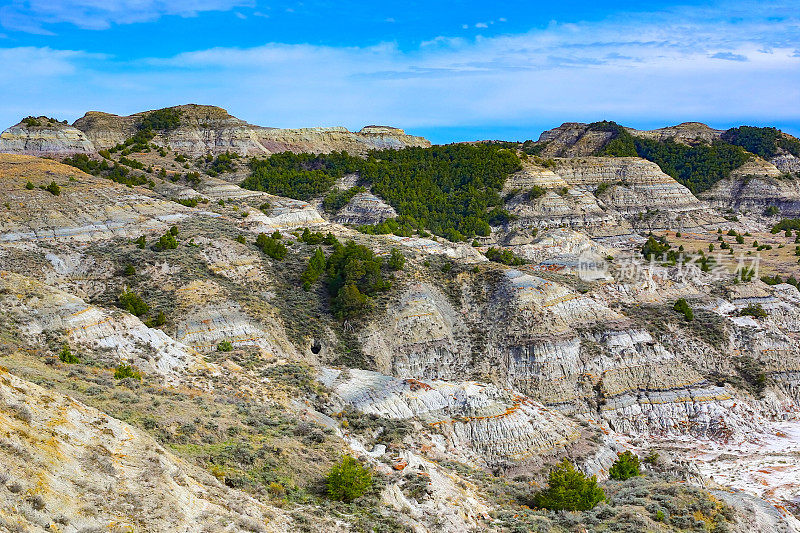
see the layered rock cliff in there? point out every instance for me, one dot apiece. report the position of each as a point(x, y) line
point(602, 195)
point(209, 129)
point(755, 186)
point(45, 137)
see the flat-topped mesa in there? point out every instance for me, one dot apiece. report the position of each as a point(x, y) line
point(43, 136)
point(381, 130)
point(203, 129)
point(690, 133)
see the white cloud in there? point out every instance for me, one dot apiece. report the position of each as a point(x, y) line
point(481, 25)
point(34, 15)
point(669, 68)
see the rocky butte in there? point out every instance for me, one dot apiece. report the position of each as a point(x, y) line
point(213, 326)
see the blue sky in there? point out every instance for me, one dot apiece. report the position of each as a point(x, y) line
point(458, 70)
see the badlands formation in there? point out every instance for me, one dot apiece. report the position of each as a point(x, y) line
point(163, 372)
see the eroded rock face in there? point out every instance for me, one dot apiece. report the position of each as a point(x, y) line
point(112, 335)
point(365, 208)
point(573, 139)
point(209, 129)
point(636, 184)
point(690, 133)
point(87, 208)
point(46, 138)
point(499, 426)
point(603, 196)
point(74, 468)
point(754, 187)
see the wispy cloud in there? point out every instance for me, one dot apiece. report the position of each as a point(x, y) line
point(729, 56)
point(34, 16)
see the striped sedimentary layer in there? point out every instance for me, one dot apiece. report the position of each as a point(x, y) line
point(87, 207)
point(365, 208)
point(423, 337)
point(499, 426)
point(111, 335)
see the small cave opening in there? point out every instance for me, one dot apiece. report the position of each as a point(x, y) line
point(315, 346)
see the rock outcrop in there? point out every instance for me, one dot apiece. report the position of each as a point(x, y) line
point(573, 139)
point(209, 129)
point(754, 187)
point(498, 426)
point(45, 137)
point(114, 336)
point(690, 133)
point(364, 208)
point(69, 467)
point(86, 207)
point(604, 196)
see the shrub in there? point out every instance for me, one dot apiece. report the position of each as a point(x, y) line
point(53, 188)
point(189, 202)
point(682, 307)
point(354, 275)
point(160, 120)
point(167, 242)
point(311, 237)
point(132, 303)
point(569, 490)
point(396, 260)
point(536, 192)
point(754, 310)
point(348, 480)
point(29, 186)
point(315, 268)
point(159, 320)
point(224, 346)
point(271, 246)
point(505, 257)
point(335, 200)
point(772, 211)
point(66, 356)
point(129, 270)
point(141, 242)
point(124, 371)
point(655, 247)
point(625, 467)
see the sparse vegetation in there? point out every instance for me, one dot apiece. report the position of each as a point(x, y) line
point(625, 467)
point(132, 303)
point(272, 246)
point(569, 490)
point(124, 371)
point(348, 480)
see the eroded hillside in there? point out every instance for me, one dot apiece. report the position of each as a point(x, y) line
point(170, 337)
